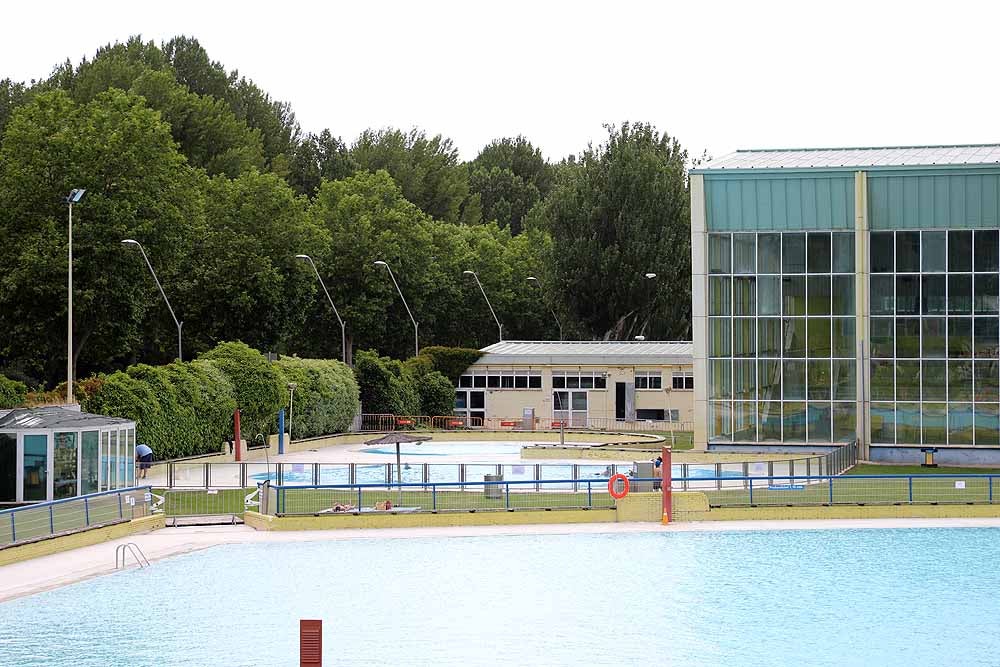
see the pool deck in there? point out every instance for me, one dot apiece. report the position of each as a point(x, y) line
point(48, 572)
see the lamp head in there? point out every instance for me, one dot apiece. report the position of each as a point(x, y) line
point(380, 263)
point(650, 275)
point(129, 242)
point(292, 386)
point(305, 257)
point(469, 273)
point(75, 196)
point(640, 338)
point(532, 279)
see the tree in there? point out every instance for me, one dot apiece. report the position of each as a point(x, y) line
point(138, 186)
point(12, 95)
point(319, 157)
point(426, 169)
point(623, 212)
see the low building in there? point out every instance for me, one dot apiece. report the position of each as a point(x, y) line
point(579, 383)
point(55, 452)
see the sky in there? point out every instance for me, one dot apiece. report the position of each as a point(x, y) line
point(716, 75)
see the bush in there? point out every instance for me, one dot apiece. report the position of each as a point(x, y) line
point(437, 394)
point(326, 395)
point(256, 386)
point(12, 392)
point(386, 385)
point(450, 361)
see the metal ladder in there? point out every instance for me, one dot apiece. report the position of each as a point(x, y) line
point(122, 551)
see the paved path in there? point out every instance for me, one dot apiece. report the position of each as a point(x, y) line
point(47, 572)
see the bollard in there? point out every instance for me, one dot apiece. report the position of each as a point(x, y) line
point(668, 499)
point(236, 429)
point(310, 643)
point(281, 431)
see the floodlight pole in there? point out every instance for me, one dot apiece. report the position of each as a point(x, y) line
point(416, 338)
point(343, 329)
point(536, 281)
point(493, 312)
point(180, 354)
point(74, 197)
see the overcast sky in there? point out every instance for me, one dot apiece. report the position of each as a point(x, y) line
point(718, 76)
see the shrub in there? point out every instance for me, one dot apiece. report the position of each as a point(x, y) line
point(386, 385)
point(451, 361)
point(326, 395)
point(12, 392)
point(255, 383)
point(437, 394)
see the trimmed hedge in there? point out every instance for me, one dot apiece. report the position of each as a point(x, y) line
point(12, 392)
point(437, 394)
point(386, 385)
point(451, 361)
point(186, 409)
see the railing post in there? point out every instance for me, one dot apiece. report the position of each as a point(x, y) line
point(750, 480)
point(590, 496)
point(831, 489)
point(359, 499)
point(86, 511)
point(989, 480)
point(910, 485)
point(52, 522)
point(121, 512)
point(207, 474)
point(434, 497)
point(507, 501)
point(13, 528)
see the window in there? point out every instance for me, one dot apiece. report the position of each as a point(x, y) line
point(579, 380)
point(675, 415)
point(648, 380)
point(507, 379)
point(654, 415)
point(682, 380)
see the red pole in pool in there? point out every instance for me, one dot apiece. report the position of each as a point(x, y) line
point(310, 643)
point(668, 500)
point(236, 432)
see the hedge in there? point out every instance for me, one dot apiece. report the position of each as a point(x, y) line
point(326, 395)
point(450, 361)
point(12, 392)
point(386, 386)
point(437, 394)
point(256, 386)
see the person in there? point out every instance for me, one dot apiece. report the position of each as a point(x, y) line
point(657, 473)
point(144, 456)
point(343, 507)
point(383, 505)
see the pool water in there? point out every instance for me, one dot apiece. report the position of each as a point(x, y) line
point(825, 597)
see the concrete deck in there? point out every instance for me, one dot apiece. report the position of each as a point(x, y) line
point(48, 572)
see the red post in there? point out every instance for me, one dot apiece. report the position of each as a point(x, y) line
point(236, 432)
point(310, 643)
point(668, 500)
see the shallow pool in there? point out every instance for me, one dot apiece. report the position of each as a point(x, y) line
point(847, 597)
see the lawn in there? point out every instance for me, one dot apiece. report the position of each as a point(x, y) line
point(877, 469)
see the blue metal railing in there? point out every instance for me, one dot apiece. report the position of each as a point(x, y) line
point(40, 520)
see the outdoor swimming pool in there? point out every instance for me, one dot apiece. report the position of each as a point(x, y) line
point(831, 597)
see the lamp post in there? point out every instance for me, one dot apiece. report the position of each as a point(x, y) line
point(649, 276)
point(291, 407)
point(416, 338)
point(75, 196)
point(495, 318)
point(533, 280)
point(180, 354)
point(343, 329)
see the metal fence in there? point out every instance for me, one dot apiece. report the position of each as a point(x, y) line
point(71, 515)
point(702, 476)
point(391, 422)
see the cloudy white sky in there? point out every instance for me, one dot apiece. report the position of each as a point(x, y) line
point(717, 75)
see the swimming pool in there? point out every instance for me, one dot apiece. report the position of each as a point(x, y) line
point(830, 597)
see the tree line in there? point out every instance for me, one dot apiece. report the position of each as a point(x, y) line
point(223, 188)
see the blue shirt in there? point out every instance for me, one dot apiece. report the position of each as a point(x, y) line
point(142, 450)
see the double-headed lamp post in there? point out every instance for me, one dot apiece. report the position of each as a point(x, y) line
point(416, 338)
point(493, 312)
point(291, 408)
point(180, 354)
point(74, 197)
point(343, 329)
point(534, 281)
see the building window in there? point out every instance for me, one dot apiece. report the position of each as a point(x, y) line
point(650, 415)
point(781, 334)
point(648, 380)
point(683, 380)
point(675, 416)
point(579, 380)
point(506, 379)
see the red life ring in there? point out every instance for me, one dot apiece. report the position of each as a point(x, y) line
point(611, 486)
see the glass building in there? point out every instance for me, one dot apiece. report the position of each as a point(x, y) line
point(849, 295)
point(52, 452)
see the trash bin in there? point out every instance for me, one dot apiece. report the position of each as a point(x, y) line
point(493, 490)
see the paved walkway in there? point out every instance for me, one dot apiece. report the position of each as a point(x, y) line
point(47, 572)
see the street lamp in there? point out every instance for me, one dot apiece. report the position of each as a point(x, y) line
point(650, 275)
point(416, 338)
point(75, 196)
point(495, 319)
point(533, 280)
point(291, 407)
point(180, 355)
point(343, 330)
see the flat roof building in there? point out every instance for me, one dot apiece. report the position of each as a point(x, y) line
point(849, 294)
point(579, 383)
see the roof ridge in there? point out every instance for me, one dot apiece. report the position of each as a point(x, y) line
point(861, 148)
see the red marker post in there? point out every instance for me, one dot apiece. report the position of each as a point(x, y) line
point(668, 500)
point(310, 643)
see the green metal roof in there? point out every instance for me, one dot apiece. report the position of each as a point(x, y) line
point(838, 159)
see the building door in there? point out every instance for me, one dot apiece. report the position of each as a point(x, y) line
point(471, 403)
point(620, 401)
point(570, 407)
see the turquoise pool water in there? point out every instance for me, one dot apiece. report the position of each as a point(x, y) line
point(864, 597)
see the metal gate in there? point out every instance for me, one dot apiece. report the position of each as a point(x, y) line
point(192, 507)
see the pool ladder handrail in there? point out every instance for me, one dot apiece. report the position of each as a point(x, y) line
point(122, 551)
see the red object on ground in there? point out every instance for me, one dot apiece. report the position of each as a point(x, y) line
point(611, 486)
point(310, 643)
point(236, 432)
point(668, 499)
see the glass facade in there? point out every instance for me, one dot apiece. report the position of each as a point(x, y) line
point(935, 333)
point(36, 457)
point(8, 467)
point(781, 337)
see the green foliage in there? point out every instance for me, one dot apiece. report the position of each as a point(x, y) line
point(437, 394)
point(622, 212)
point(386, 385)
point(326, 395)
point(12, 392)
point(509, 176)
point(256, 385)
point(426, 169)
point(319, 158)
point(449, 361)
